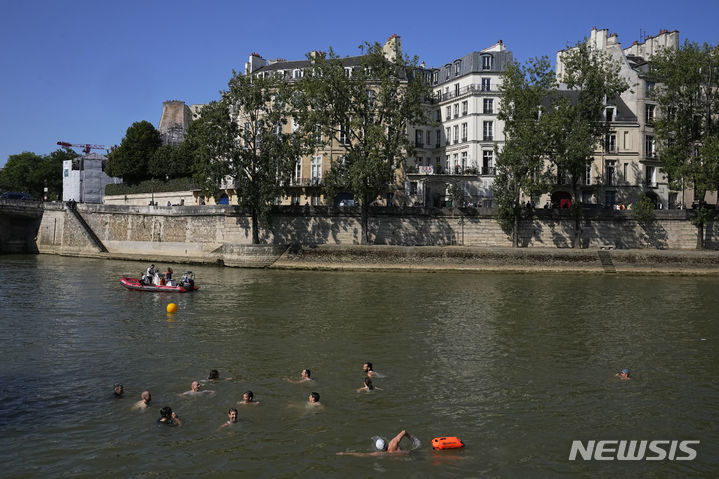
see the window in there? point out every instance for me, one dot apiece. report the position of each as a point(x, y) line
point(456, 133)
point(456, 89)
point(465, 107)
point(370, 97)
point(649, 113)
point(447, 137)
point(343, 134)
point(588, 176)
point(439, 135)
point(609, 113)
point(457, 67)
point(627, 142)
point(464, 132)
point(651, 176)
point(419, 138)
point(487, 168)
point(488, 106)
point(650, 86)
point(412, 187)
point(316, 169)
point(348, 72)
point(486, 84)
point(429, 138)
point(612, 142)
point(456, 110)
point(464, 160)
point(298, 171)
point(435, 77)
point(439, 115)
point(487, 131)
point(610, 170)
point(318, 134)
point(455, 162)
point(586, 197)
point(649, 146)
point(447, 69)
point(449, 112)
point(624, 176)
point(316, 200)
point(486, 62)
point(296, 74)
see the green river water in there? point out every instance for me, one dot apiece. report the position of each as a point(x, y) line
point(516, 365)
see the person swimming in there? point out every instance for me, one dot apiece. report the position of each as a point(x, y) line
point(367, 368)
point(117, 391)
point(215, 376)
point(231, 418)
point(382, 447)
point(195, 390)
point(623, 374)
point(368, 386)
point(144, 401)
point(168, 417)
point(248, 398)
point(305, 376)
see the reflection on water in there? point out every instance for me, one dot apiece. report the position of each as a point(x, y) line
point(516, 365)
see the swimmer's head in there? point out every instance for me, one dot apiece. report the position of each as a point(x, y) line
point(247, 396)
point(380, 444)
point(214, 374)
point(118, 389)
point(366, 367)
point(625, 372)
point(305, 373)
point(195, 386)
point(314, 397)
point(232, 414)
point(145, 396)
point(166, 412)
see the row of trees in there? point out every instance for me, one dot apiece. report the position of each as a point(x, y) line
point(552, 133)
point(243, 136)
point(141, 156)
point(31, 173)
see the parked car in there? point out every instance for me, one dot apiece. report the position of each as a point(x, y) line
point(14, 195)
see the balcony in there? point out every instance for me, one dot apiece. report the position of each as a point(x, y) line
point(487, 138)
point(489, 171)
point(473, 88)
point(306, 182)
point(649, 183)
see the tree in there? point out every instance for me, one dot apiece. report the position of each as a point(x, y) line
point(365, 111)
point(577, 124)
point(521, 163)
point(687, 93)
point(241, 139)
point(29, 172)
point(171, 162)
point(130, 161)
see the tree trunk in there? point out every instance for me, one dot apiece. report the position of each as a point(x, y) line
point(515, 230)
point(576, 240)
point(700, 235)
point(255, 229)
point(364, 239)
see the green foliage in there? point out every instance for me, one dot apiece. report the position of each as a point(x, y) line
point(242, 139)
point(149, 186)
point(521, 163)
point(131, 160)
point(644, 210)
point(687, 93)
point(576, 120)
point(367, 114)
point(456, 194)
point(29, 172)
point(171, 162)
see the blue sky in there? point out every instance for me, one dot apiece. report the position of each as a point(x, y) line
point(84, 71)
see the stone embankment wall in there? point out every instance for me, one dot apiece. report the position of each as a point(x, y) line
point(223, 233)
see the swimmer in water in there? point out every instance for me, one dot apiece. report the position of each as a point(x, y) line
point(382, 447)
point(215, 376)
point(304, 377)
point(313, 400)
point(144, 402)
point(117, 391)
point(248, 397)
point(367, 368)
point(623, 375)
point(231, 418)
point(368, 386)
point(168, 417)
point(195, 390)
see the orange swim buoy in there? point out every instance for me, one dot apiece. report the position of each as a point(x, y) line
point(447, 443)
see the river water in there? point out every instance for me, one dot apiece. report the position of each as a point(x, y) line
point(516, 365)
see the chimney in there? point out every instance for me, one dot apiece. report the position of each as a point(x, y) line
point(393, 47)
point(256, 62)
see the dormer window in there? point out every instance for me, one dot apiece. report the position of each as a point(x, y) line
point(435, 77)
point(457, 67)
point(609, 114)
point(486, 62)
point(297, 74)
point(447, 69)
point(348, 72)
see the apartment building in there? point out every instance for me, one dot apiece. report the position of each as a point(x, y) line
point(458, 147)
point(627, 163)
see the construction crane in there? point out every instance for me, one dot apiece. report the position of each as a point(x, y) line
point(85, 147)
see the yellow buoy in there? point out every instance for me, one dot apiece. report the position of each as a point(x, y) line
point(172, 308)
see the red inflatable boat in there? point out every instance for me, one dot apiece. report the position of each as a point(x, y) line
point(185, 285)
